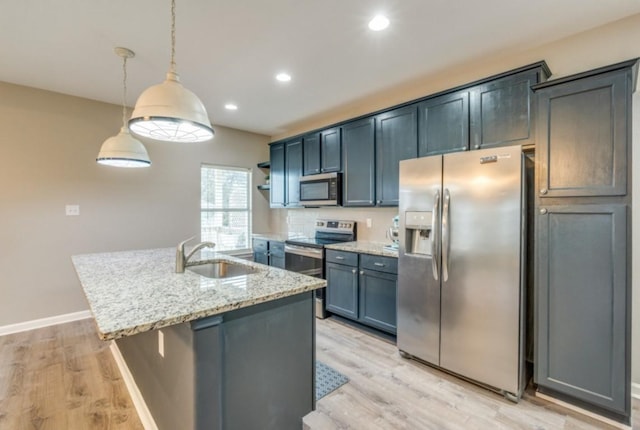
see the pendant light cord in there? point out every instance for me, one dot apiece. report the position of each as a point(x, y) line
point(173, 36)
point(124, 91)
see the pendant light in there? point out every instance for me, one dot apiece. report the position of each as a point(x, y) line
point(123, 150)
point(168, 111)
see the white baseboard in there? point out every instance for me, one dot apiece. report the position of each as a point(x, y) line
point(44, 322)
point(635, 390)
point(579, 410)
point(138, 401)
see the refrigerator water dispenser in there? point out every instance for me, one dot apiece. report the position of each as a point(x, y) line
point(418, 231)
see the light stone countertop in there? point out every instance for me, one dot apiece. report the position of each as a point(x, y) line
point(136, 291)
point(364, 247)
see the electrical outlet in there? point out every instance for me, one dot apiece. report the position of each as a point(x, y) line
point(161, 343)
point(369, 224)
point(72, 210)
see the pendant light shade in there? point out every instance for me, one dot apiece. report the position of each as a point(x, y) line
point(168, 111)
point(123, 150)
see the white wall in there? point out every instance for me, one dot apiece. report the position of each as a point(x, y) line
point(47, 160)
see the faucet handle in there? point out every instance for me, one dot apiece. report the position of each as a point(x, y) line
point(181, 244)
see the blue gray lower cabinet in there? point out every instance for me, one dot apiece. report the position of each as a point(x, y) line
point(252, 368)
point(363, 287)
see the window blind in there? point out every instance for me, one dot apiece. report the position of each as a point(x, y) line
point(225, 207)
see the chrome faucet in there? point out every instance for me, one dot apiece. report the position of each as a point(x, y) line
point(181, 260)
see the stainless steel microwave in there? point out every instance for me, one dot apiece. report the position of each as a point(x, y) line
point(321, 190)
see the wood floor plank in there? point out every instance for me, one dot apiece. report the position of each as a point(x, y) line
point(389, 392)
point(62, 377)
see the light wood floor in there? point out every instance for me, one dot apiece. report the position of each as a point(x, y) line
point(62, 377)
point(386, 391)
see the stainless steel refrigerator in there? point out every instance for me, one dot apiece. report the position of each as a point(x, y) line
point(461, 265)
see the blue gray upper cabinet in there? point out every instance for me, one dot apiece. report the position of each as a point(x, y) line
point(358, 156)
point(501, 110)
point(396, 140)
point(443, 124)
point(277, 194)
point(293, 163)
point(330, 151)
point(322, 152)
point(584, 125)
point(311, 151)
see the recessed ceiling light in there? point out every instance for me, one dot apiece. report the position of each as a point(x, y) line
point(283, 77)
point(231, 106)
point(379, 22)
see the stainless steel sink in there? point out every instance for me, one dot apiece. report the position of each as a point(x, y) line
point(222, 269)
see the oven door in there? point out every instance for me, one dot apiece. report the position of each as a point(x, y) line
point(303, 259)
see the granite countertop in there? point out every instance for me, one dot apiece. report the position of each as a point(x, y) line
point(136, 291)
point(364, 247)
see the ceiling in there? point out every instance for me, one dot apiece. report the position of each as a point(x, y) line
point(230, 51)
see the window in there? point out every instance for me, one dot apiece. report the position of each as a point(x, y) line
point(225, 207)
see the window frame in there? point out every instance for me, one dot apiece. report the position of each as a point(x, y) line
point(248, 210)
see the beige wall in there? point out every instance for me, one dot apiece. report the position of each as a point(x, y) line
point(47, 160)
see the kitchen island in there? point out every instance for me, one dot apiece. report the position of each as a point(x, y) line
point(235, 352)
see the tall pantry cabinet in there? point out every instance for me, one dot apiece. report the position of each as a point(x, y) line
point(583, 239)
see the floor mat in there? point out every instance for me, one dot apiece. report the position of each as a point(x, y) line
point(327, 379)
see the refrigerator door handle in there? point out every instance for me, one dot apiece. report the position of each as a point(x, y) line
point(445, 235)
point(435, 230)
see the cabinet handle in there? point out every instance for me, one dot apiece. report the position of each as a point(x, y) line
point(353, 270)
point(362, 272)
point(543, 211)
point(544, 191)
point(477, 146)
point(338, 257)
point(379, 201)
point(379, 264)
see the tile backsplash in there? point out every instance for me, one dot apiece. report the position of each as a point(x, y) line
point(301, 221)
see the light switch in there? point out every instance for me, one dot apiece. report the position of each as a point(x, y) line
point(72, 210)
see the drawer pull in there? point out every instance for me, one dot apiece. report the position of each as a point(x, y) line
point(339, 258)
point(379, 264)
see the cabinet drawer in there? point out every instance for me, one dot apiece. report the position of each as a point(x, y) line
point(276, 249)
point(260, 245)
point(379, 263)
point(342, 257)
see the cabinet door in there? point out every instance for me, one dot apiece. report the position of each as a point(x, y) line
point(342, 290)
point(443, 124)
point(276, 254)
point(583, 324)
point(378, 299)
point(277, 193)
point(584, 133)
point(260, 251)
point(311, 152)
point(293, 162)
point(358, 155)
point(330, 152)
point(396, 140)
point(501, 111)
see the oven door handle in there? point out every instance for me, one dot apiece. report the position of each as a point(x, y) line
point(304, 251)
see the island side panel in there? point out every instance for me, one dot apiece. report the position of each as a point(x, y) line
point(253, 368)
point(269, 365)
point(166, 383)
